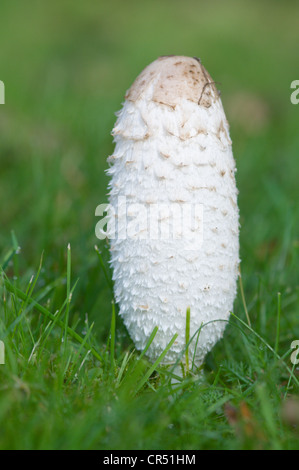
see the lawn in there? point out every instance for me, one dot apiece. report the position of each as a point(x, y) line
point(71, 378)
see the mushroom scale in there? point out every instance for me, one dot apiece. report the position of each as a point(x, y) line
point(173, 151)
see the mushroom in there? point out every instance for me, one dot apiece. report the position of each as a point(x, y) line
point(173, 217)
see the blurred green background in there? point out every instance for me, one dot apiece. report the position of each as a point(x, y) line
point(66, 66)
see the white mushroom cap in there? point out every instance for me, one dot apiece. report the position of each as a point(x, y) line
point(179, 77)
point(173, 149)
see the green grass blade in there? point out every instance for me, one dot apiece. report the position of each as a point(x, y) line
point(278, 321)
point(17, 292)
point(68, 292)
point(112, 339)
point(187, 338)
point(104, 269)
point(155, 365)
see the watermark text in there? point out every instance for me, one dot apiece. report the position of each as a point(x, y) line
point(2, 93)
point(151, 221)
point(295, 94)
point(295, 353)
point(2, 353)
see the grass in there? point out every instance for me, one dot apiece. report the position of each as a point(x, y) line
point(72, 379)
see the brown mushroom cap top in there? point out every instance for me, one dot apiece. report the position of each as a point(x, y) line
point(176, 77)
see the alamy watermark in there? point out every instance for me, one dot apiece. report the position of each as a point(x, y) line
point(295, 94)
point(295, 353)
point(2, 93)
point(150, 221)
point(2, 353)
